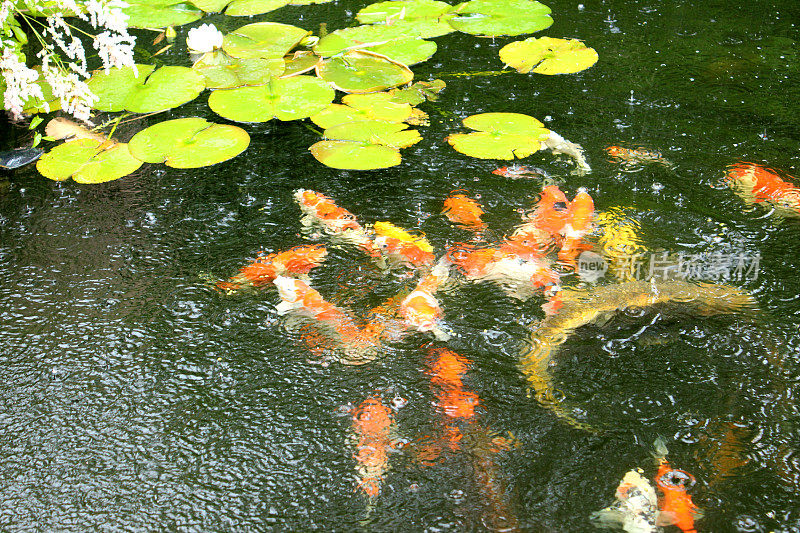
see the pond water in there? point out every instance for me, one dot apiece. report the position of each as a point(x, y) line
point(136, 397)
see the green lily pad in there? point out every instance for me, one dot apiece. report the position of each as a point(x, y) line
point(223, 72)
point(188, 143)
point(380, 106)
point(363, 72)
point(300, 63)
point(500, 136)
point(270, 40)
point(395, 10)
point(239, 8)
point(501, 17)
point(548, 55)
point(350, 155)
point(285, 99)
point(150, 91)
point(418, 92)
point(392, 134)
point(406, 51)
point(85, 162)
point(160, 13)
point(371, 35)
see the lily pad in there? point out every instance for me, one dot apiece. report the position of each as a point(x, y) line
point(149, 91)
point(285, 99)
point(354, 155)
point(222, 71)
point(188, 143)
point(270, 40)
point(392, 134)
point(396, 10)
point(418, 92)
point(548, 55)
point(501, 17)
point(500, 136)
point(86, 161)
point(240, 8)
point(300, 63)
point(160, 13)
point(363, 72)
point(371, 35)
point(406, 51)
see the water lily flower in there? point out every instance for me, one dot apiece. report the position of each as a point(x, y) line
point(203, 39)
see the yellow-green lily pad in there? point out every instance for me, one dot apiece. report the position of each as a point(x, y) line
point(501, 17)
point(363, 72)
point(349, 155)
point(500, 136)
point(392, 134)
point(86, 161)
point(548, 55)
point(397, 10)
point(300, 63)
point(149, 91)
point(239, 8)
point(285, 99)
point(263, 39)
point(188, 143)
point(371, 35)
point(160, 13)
point(406, 51)
point(222, 71)
point(418, 92)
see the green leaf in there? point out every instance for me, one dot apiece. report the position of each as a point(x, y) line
point(270, 40)
point(501, 17)
point(500, 136)
point(418, 92)
point(160, 14)
point(369, 36)
point(150, 91)
point(299, 63)
point(548, 55)
point(397, 10)
point(223, 72)
point(285, 99)
point(188, 143)
point(86, 162)
point(355, 156)
point(392, 134)
point(363, 72)
point(245, 8)
point(406, 51)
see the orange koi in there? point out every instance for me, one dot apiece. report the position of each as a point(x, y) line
point(373, 423)
point(420, 309)
point(446, 371)
point(263, 271)
point(550, 214)
point(630, 156)
point(320, 210)
point(755, 183)
point(675, 505)
point(579, 220)
point(518, 171)
point(402, 246)
point(464, 211)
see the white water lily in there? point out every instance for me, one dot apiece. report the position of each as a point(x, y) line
point(203, 39)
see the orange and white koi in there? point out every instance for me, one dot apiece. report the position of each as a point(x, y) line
point(755, 183)
point(464, 212)
point(579, 224)
point(321, 211)
point(675, 504)
point(301, 300)
point(519, 171)
point(635, 156)
point(420, 309)
point(401, 246)
point(635, 509)
point(559, 145)
point(373, 424)
point(263, 271)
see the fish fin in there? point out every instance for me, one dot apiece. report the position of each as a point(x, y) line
point(659, 448)
point(666, 518)
point(607, 518)
point(697, 513)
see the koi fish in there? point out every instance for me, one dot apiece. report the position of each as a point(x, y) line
point(579, 308)
point(675, 505)
point(401, 246)
point(516, 172)
point(518, 277)
point(634, 156)
point(373, 424)
point(755, 183)
point(263, 271)
point(452, 399)
point(321, 211)
point(464, 212)
point(559, 145)
point(300, 300)
point(619, 240)
point(420, 309)
point(635, 509)
point(579, 221)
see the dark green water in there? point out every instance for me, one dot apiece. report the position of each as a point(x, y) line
point(134, 397)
